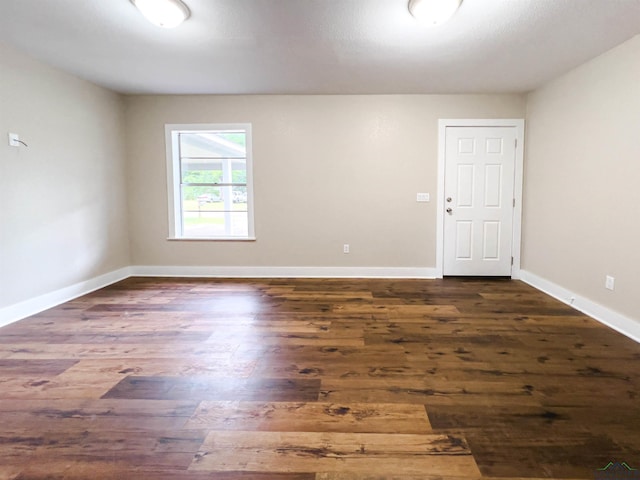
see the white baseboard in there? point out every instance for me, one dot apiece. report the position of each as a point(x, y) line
point(21, 310)
point(283, 272)
point(625, 325)
point(18, 311)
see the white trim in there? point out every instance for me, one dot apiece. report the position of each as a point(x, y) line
point(216, 239)
point(621, 323)
point(173, 173)
point(18, 311)
point(516, 123)
point(174, 206)
point(282, 272)
point(625, 325)
point(21, 310)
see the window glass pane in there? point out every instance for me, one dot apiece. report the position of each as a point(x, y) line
point(204, 224)
point(238, 171)
point(215, 224)
point(214, 211)
point(239, 197)
point(201, 171)
point(197, 170)
point(239, 224)
point(198, 198)
point(237, 138)
point(213, 144)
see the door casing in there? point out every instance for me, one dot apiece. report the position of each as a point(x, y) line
point(518, 125)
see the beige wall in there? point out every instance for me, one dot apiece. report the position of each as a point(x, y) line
point(582, 190)
point(328, 170)
point(62, 199)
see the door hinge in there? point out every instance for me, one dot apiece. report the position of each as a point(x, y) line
point(514, 202)
point(512, 261)
point(516, 143)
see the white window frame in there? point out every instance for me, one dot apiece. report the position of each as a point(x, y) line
point(174, 179)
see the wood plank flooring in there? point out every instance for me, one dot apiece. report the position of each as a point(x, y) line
point(316, 380)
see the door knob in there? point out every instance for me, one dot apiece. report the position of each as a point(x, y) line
point(449, 199)
point(449, 210)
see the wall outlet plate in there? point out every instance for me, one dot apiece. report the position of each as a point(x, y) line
point(609, 282)
point(14, 140)
point(422, 197)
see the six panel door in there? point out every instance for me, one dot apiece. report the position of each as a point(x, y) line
point(479, 200)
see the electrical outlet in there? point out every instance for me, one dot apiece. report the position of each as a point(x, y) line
point(609, 282)
point(345, 248)
point(422, 197)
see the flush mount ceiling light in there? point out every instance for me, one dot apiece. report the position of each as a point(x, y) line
point(433, 12)
point(163, 13)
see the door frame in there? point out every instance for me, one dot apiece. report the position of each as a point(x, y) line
point(518, 124)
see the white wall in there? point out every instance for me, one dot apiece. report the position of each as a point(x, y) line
point(582, 180)
point(62, 199)
point(328, 170)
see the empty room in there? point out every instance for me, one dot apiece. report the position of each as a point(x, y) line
point(319, 239)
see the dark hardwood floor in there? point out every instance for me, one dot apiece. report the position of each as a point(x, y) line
point(316, 380)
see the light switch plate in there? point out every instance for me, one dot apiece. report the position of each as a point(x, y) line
point(422, 197)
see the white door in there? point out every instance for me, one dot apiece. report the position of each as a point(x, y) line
point(479, 200)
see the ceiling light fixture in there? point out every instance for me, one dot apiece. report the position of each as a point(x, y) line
point(433, 12)
point(163, 13)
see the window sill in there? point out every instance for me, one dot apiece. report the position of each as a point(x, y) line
point(211, 239)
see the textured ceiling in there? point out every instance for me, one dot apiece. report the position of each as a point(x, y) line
point(318, 46)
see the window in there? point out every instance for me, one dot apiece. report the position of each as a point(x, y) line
point(210, 189)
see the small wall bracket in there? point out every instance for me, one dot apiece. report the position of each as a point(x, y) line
point(14, 140)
